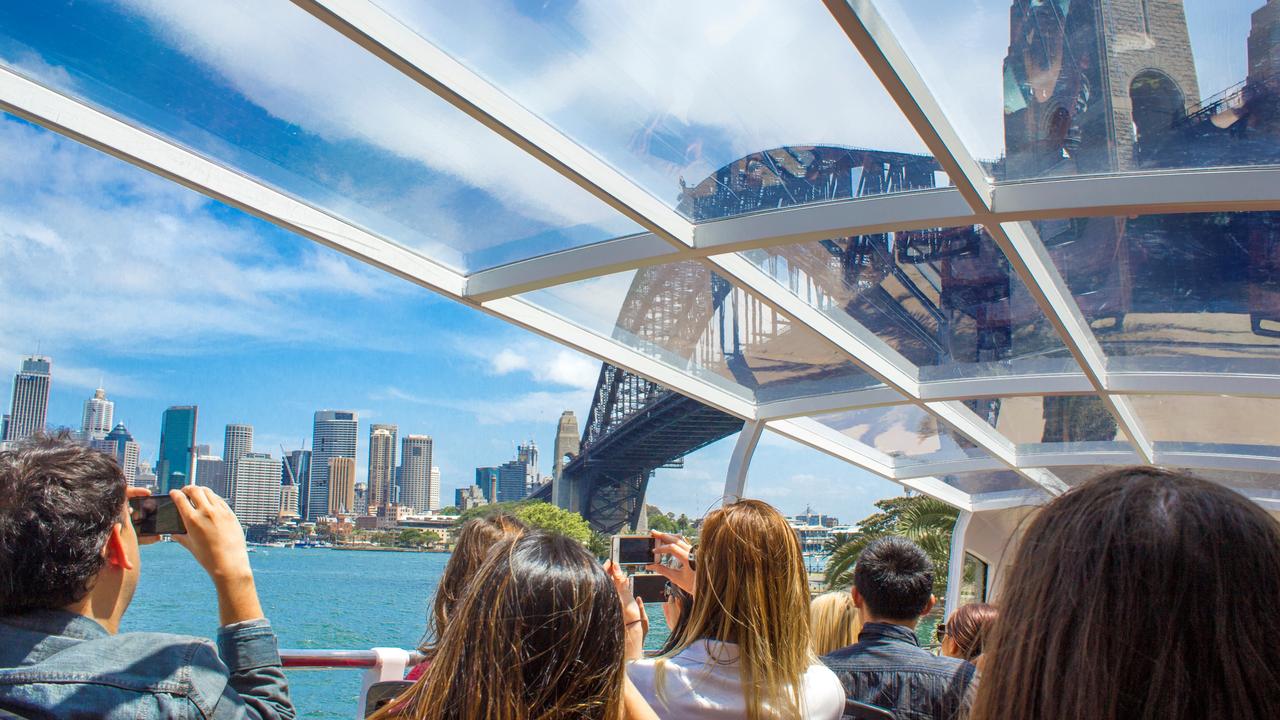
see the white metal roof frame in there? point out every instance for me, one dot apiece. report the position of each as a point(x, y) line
point(1003, 208)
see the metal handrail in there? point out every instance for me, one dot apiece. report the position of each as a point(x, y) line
point(337, 658)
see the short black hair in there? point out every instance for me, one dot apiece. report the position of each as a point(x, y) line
point(58, 501)
point(895, 578)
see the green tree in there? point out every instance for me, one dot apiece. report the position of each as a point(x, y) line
point(922, 519)
point(451, 510)
point(415, 537)
point(549, 517)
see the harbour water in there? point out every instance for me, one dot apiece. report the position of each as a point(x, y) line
point(316, 599)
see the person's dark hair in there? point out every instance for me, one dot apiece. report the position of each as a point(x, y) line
point(58, 502)
point(538, 634)
point(895, 578)
point(474, 540)
point(969, 626)
point(1140, 594)
point(685, 601)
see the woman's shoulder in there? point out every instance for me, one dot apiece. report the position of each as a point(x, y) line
point(823, 692)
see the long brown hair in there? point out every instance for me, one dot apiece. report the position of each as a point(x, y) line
point(474, 540)
point(537, 636)
point(969, 626)
point(752, 590)
point(1140, 594)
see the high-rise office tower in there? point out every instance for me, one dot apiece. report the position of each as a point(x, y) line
point(237, 442)
point(211, 472)
point(566, 449)
point(415, 473)
point(362, 499)
point(342, 486)
point(119, 444)
point(433, 490)
point(30, 399)
point(96, 421)
point(257, 483)
point(487, 481)
point(333, 435)
point(382, 464)
point(175, 464)
point(295, 469)
point(528, 453)
point(146, 476)
point(515, 477)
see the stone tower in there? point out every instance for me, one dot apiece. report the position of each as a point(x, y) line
point(1089, 83)
point(566, 448)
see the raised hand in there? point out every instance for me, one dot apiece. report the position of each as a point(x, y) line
point(674, 546)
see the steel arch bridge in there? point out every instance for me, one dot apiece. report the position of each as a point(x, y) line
point(691, 315)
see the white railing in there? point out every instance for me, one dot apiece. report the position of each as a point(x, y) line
point(379, 664)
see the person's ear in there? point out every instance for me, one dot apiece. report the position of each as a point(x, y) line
point(117, 552)
point(933, 600)
point(858, 602)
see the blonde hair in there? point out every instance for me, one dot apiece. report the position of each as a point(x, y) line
point(834, 621)
point(752, 591)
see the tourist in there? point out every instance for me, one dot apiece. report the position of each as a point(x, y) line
point(538, 634)
point(834, 622)
point(1140, 594)
point(744, 650)
point(963, 634)
point(675, 610)
point(69, 564)
point(474, 540)
point(887, 668)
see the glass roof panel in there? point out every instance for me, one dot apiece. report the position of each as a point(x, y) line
point(1238, 479)
point(716, 107)
point(690, 318)
point(1041, 88)
point(1210, 423)
point(987, 481)
point(944, 298)
point(266, 89)
point(1055, 423)
point(1189, 292)
point(908, 434)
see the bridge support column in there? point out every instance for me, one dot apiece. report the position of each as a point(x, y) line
point(735, 481)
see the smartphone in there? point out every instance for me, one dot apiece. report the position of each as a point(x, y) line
point(632, 549)
point(155, 515)
point(650, 587)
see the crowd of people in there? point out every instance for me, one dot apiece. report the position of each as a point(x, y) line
point(1141, 593)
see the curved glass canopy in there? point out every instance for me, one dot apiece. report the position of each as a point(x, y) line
point(981, 249)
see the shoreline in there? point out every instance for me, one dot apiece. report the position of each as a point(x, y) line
point(376, 548)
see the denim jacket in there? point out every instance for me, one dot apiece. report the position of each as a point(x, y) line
point(888, 668)
point(56, 664)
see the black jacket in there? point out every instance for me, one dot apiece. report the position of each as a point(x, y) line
point(888, 668)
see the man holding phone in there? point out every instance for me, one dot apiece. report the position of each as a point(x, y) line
point(69, 564)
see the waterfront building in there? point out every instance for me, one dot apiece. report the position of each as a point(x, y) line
point(814, 542)
point(487, 481)
point(96, 421)
point(566, 448)
point(176, 461)
point(30, 404)
point(415, 473)
point(333, 435)
point(288, 503)
point(211, 472)
point(466, 498)
point(382, 463)
point(342, 486)
point(257, 489)
point(809, 517)
point(119, 444)
point(237, 441)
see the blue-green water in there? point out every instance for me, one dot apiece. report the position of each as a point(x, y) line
point(315, 599)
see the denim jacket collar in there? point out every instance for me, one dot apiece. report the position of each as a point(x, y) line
point(58, 622)
point(873, 631)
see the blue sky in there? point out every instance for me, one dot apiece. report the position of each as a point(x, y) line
point(173, 299)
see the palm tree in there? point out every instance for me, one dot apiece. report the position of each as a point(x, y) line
point(922, 519)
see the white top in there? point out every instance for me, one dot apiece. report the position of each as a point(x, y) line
point(703, 682)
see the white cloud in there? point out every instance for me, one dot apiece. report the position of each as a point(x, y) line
point(539, 407)
point(97, 252)
point(542, 360)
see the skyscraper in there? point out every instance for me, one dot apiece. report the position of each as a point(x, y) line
point(237, 441)
point(487, 481)
point(288, 502)
point(146, 476)
point(96, 421)
point(433, 490)
point(30, 398)
point(382, 464)
point(514, 479)
point(295, 470)
point(211, 472)
point(119, 443)
point(257, 483)
point(415, 473)
point(333, 435)
point(342, 485)
point(566, 448)
point(175, 464)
